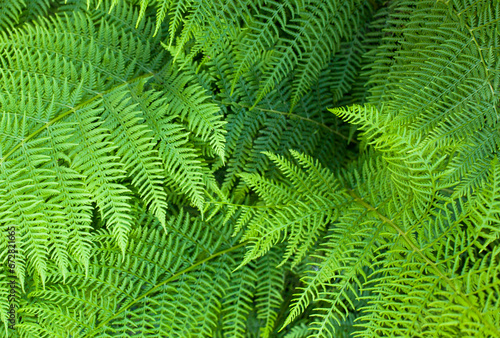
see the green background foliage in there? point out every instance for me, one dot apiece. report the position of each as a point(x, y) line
point(300, 168)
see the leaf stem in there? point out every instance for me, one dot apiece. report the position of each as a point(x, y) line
point(68, 112)
point(429, 262)
point(294, 116)
point(170, 279)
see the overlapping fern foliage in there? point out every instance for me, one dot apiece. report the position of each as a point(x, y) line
point(302, 168)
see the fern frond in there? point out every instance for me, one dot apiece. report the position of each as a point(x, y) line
point(237, 303)
point(485, 208)
point(10, 11)
point(268, 291)
point(83, 133)
point(403, 150)
point(153, 291)
point(291, 214)
point(270, 127)
point(444, 74)
point(141, 160)
point(375, 228)
point(35, 9)
point(283, 219)
point(94, 158)
point(342, 21)
point(262, 34)
point(346, 65)
point(299, 331)
point(201, 116)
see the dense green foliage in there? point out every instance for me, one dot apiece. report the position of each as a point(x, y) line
point(301, 168)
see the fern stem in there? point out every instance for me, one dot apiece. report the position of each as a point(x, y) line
point(432, 264)
point(294, 116)
point(468, 7)
point(170, 279)
point(483, 62)
point(69, 112)
point(267, 206)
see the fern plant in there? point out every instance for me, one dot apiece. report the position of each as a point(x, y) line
point(316, 168)
point(87, 127)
